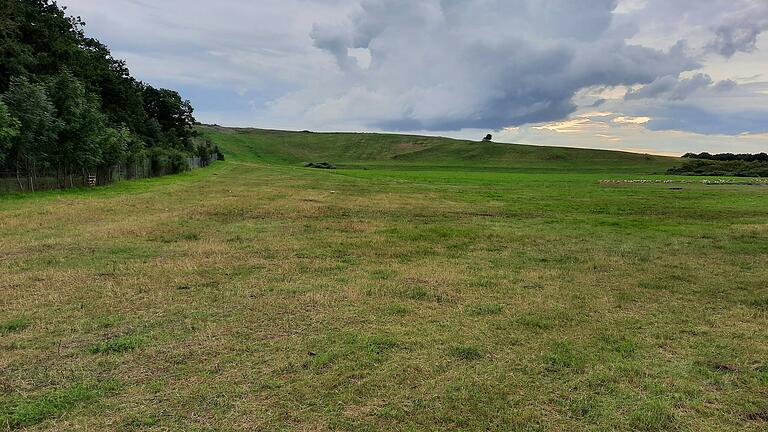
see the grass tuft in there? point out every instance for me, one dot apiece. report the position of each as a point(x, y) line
point(653, 416)
point(535, 322)
point(466, 352)
point(380, 344)
point(118, 345)
point(140, 422)
point(760, 304)
point(397, 310)
point(620, 345)
point(484, 309)
point(416, 293)
point(14, 325)
point(564, 356)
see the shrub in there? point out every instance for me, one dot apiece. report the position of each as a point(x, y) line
point(167, 161)
point(320, 165)
point(730, 168)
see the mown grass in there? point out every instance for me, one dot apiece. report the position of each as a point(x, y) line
point(20, 411)
point(266, 296)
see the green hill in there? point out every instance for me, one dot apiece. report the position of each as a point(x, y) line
point(381, 151)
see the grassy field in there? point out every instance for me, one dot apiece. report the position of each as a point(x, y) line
point(428, 285)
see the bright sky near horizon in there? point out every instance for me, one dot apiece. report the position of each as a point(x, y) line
point(655, 76)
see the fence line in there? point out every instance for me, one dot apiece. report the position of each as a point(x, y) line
point(11, 181)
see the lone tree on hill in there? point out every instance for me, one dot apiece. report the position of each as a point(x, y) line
point(488, 138)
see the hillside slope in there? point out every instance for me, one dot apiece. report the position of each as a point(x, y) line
point(356, 150)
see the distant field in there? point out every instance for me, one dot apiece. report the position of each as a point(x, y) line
point(449, 285)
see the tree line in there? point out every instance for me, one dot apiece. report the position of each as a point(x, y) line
point(746, 157)
point(69, 108)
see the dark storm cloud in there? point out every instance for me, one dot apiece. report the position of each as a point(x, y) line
point(676, 89)
point(740, 33)
point(731, 40)
point(698, 120)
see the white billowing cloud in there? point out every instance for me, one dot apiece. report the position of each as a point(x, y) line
point(725, 27)
point(616, 132)
point(238, 44)
point(721, 108)
point(626, 120)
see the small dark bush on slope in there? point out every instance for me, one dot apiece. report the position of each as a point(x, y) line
point(320, 165)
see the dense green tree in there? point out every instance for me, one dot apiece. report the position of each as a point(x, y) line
point(117, 145)
point(120, 94)
point(15, 56)
point(152, 132)
point(38, 126)
point(174, 115)
point(9, 129)
point(38, 38)
point(82, 125)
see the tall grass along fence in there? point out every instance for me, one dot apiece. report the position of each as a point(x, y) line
point(13, 181)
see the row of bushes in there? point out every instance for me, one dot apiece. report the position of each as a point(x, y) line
point(734, 168)
point(747, 157)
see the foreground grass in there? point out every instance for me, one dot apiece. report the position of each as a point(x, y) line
point(268, 297)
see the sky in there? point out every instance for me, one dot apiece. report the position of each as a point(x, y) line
point(649, 76)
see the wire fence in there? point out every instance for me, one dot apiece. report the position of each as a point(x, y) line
point(13, 181)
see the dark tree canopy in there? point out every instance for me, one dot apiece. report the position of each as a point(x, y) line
point(716, 167)
point(9, 129)
point(68, 105)
point(758, 157)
